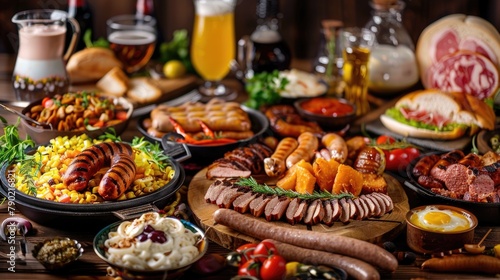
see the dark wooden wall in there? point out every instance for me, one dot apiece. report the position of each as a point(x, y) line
point(300, 23)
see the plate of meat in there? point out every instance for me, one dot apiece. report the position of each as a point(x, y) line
point(470, 181)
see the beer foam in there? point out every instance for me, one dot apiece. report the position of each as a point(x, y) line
point(131, 37)
point(213, 8)
point(41, 29)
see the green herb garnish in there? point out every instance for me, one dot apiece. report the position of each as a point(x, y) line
point(13, 149)
point(177, 49)
point(101, 42)
point(153, 149)
point(265, 189)
point(264, 89)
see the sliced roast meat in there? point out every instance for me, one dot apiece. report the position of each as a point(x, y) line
point(227, 196)
point(280, 208)
point(225, 168)
point(353, 211)
point(389, 204)
point(300, 212)
point(270, 207)
point(360, 211)
point(328, 217)
point(290, 210)
point(315, 212)
point(213, 191)
point(346, 210)
point(370, 206)
point(336, 209)
point(429, 182)
point(242, 203)
point(258, 205)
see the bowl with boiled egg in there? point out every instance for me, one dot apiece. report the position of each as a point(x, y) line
point(438, 228)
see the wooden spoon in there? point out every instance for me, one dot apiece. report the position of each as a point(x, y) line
point(477, 248)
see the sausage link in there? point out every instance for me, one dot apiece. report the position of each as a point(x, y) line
point(275, 165)
point(285, 121)
point(118, 178)
point(355, 268)
point(336, 145)
point(429, 182)
point(449, 158)
point(308, 144)
point(332, 243)
point(424, 165)
point(89, 161)
point(471, 160)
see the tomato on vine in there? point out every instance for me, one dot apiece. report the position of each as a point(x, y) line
point(250, 268)
point(273, 268)
point(264, 249)
point(398, 154)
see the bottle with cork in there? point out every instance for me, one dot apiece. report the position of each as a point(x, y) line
point(392, 66)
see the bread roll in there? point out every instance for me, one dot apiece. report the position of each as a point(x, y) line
point(115, 82)
point(142, 90)
point(91, 64)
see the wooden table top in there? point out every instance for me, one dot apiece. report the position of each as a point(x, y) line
point(91, 267)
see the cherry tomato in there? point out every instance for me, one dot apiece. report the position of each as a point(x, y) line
point(47, 102)
point(246, 251)
point(264, 249)
point(397, 159)
point(250, 268)
point(384, 139)
point(121, 115)
point(273, 268)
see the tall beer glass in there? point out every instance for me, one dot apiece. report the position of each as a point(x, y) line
point(213, 44)
point(357, 44)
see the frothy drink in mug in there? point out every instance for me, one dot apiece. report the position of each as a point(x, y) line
point(40, 65)
point(41, 42)
point(40, 70)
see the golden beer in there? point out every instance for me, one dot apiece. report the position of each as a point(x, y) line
point(356, 80)
point(356, 54)
point(213, 40)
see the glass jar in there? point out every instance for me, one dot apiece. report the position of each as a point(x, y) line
point(329, 62)
point(392, 64)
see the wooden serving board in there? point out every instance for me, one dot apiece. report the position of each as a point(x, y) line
point(373, 230)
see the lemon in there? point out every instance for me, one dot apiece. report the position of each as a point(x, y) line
point(174, 69)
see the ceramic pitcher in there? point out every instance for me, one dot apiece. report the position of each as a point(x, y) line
point(40, 68)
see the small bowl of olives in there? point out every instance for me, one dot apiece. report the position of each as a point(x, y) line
point(57, 252)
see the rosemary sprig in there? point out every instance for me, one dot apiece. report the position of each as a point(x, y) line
point(152, 149)
point(265, 189)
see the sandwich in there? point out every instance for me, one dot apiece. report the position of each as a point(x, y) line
point(438, 115)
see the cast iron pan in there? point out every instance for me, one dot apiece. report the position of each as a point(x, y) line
point(206, 154)
point(77, 215)
point(486, 213)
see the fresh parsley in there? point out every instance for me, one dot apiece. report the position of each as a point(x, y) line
point(264, 89)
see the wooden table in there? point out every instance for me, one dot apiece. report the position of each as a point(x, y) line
point(91, 267)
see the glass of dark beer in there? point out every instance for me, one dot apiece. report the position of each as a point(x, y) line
point(132, 38)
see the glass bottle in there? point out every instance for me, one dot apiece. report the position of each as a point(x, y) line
point(147, 8)
point(392, 64)
point(329, 62)
point(81, 11)
point(268, 51)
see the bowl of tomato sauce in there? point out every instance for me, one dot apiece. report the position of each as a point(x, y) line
point(329, 112)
